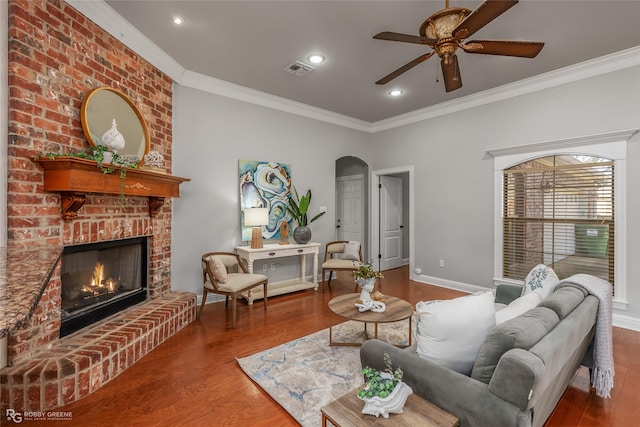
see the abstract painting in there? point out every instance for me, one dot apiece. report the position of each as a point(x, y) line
point(265, 185)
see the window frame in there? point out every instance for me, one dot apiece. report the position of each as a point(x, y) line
point(611, 146)
point(572, 199)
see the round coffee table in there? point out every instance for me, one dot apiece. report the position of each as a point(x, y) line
point(344, 306)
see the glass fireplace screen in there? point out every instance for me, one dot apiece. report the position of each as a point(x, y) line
point(100, 273)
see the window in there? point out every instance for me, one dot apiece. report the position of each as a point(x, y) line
point(611, 147)
point(558, 210)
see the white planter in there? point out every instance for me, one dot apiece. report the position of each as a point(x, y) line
point(391, 404)
point(366, 282)
point(107, 157)
point(366, 287)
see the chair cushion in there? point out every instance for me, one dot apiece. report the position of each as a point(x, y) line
point(217, 268)
point(541, 279)
point(352, 251)
point(341, 264)
point(239, 281)
point(450, 332)
point(335, 248)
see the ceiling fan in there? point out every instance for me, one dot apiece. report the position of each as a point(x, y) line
point(446, 30)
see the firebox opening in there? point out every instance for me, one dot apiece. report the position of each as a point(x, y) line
point(101, 279)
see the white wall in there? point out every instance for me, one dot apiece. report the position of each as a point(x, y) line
point(211, 133)
point(454, 177)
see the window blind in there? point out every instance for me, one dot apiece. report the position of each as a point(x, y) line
point(559, 211)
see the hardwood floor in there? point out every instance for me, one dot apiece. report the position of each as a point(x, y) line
point(193, 379)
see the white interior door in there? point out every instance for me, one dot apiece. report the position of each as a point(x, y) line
point(350, 212)
point(390, 222)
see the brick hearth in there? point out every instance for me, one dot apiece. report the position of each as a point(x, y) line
point(78, 365)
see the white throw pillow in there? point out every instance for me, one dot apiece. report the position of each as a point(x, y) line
point(450, 332)
point(351, 251)
point(541, 279)
point(518, 306)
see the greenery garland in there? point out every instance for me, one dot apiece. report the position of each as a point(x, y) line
point(96, 154)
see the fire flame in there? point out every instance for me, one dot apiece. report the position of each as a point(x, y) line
point(98, 275)
point(98, 281)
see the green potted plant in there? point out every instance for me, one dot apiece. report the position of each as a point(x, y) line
point(298, 208)
point(365, 276)
point(384, 392)
point(366, 272)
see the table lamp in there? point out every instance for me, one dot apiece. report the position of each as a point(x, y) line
point(256, 218)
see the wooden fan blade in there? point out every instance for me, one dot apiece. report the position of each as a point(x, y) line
point(487, 12)
point(451, 74)
point(405, 38)
point(504, 48)
point(386, 79)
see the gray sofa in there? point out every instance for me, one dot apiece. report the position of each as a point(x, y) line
point(522, 369)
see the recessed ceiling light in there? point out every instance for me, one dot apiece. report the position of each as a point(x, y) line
point(178, 20)
point(316, 58)
point(395, 92)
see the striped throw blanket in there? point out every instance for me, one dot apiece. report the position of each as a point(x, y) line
point(603, 371)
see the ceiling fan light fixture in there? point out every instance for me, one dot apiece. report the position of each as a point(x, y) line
point(446, 31)
point(441, 24)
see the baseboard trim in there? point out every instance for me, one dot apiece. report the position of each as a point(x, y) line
point(450, 284)
point(626, 322)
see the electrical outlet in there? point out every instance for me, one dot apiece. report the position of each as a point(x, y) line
point(273, 265)
point(264, 267)
point(441, 263)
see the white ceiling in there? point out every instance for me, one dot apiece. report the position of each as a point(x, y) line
point(249, 43)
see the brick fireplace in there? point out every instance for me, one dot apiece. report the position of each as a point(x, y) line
point(56, 57)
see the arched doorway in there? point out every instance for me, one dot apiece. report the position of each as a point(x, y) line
point(352, 201)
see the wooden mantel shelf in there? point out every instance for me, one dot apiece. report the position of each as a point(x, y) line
point(73, 177)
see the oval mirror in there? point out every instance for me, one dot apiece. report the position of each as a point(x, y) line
point(98, 111)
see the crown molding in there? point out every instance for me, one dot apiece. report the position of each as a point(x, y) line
point(242, 93)
point(105, 17)
point(109, 20)
point(606, 64)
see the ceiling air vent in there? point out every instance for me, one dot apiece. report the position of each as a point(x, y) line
point(299, 68)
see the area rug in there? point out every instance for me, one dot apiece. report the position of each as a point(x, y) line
point(306, 374)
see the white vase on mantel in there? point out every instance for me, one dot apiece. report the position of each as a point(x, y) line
point(112, 138)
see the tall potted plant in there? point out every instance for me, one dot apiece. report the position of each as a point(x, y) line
point(298, 207)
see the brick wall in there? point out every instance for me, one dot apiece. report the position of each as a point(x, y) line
point(56, 57)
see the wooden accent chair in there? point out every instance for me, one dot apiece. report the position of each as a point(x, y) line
point(224, 273)
point(336, 259)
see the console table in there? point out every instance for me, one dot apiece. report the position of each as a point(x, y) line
point(269, 251)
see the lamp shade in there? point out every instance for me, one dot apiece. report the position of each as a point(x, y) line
point(256, 217)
